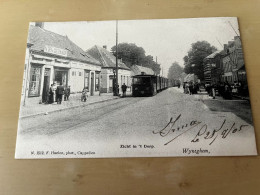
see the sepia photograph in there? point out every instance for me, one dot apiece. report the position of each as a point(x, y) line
point(135, 88)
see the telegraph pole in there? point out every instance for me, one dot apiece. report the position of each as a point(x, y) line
point(116, 93)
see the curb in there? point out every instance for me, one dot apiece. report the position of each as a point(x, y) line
point(53, 111)
point(242, 98)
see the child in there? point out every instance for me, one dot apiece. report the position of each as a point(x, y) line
point(84, 95)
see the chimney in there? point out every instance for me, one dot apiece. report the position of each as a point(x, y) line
point(226, 48)
point(104, 46)
point(39, 24)
point(236, 37)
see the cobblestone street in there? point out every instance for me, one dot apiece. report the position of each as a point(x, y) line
point(138, 121)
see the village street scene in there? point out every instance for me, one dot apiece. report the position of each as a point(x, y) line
point(116, 99)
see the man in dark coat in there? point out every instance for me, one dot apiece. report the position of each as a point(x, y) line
point(59, 93)
point(67, 93)
point(124, 87)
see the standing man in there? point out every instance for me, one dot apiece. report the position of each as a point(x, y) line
point(67, 93)
point(124, 87)
point(59, 93)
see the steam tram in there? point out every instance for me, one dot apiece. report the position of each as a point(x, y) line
point(148, 85)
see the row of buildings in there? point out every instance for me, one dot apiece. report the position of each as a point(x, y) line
point(54, 59)
point(226, 65)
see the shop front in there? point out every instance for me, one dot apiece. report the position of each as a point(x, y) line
point(61, 76)
point(35, 80)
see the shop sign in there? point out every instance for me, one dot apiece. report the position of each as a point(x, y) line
point(56, 51)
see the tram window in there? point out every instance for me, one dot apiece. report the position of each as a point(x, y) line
point(143, 80)
point(137, 80)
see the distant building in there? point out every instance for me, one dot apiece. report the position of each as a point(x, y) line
point(213, 67)
point(233, 62)
point(137, 70)
point(191, 78)
point(108, 62)
point(183, 75)
point(53, 58)
point(226, 65)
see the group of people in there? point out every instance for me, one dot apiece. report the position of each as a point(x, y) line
point(227, 90)
point(190, 88)
point(123, 88)
point(56, 93)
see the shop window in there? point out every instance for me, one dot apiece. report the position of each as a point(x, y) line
point(61, 77)
point(35, 81)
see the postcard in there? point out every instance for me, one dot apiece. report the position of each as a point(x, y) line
point(135, 88)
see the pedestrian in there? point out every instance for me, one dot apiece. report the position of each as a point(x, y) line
point(51, 93)
point(54, 87)
point(59, 93)
point(187, 91)
point(67, 93)
point(84, 95)
point(227, 91)
point(191, 88)
point(124, 87)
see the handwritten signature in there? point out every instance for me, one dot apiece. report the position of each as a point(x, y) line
point(203, 133)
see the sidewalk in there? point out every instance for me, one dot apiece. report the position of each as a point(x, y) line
point(33, 108)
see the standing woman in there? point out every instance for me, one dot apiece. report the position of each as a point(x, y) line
point(51, 94)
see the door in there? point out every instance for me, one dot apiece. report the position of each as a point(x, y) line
point(92, 84)
point(46, 85)
point(111, 84)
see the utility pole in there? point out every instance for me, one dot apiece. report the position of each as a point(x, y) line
point(116, 59)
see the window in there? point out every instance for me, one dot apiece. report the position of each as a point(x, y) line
point(35, 79)
point(86, 80)
point(80, 73)
point(97, 81)
point(141, 80)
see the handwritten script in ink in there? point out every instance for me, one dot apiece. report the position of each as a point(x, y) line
point(222, 131)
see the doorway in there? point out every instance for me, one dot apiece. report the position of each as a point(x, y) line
point(46, 85)
point(92, 84)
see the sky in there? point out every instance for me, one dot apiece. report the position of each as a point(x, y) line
point(168, 39)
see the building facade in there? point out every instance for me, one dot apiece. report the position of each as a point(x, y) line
point(108, 62)
point(213, 67)
point(233, 62)
point(54, 59)
point(226, 65)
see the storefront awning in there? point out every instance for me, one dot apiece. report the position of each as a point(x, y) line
point(63, 61)
point(42, 57)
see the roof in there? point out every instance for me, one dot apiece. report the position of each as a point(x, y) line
point(40, 38)
point(213, 55)
point(139, 69)
point(106, 58)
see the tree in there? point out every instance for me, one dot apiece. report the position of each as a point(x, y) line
point(194, 60)
point(175, 71)
point(131, 54)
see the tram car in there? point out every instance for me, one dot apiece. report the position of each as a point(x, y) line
point(148, 85)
